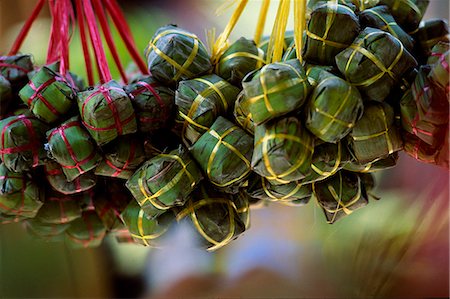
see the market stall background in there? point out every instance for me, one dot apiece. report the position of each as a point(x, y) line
point(396, 246)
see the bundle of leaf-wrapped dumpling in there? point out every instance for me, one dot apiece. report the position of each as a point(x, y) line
point(340, 195)
point(283, 150)
point(276, 89)
point(6, 95)
point(15, 69)
point(153, 104)
point(238, 60)
point(146, 230)
point(214, 216)
point(200, 101)
point(71, 146)
point(374, 63)
point(59, 208)
point(375, 135)
point(174, 54)
point(22, 145)
point(121, 157)
point(107, 112)
point(407, 13)
point(86, 231)
point(224, 153)
point(331, 29)
point(19, 195)
point(58, 181)
point(165, 181)
point(333, 108)
point(48, 95)
point(242, 113)
point(380, 17)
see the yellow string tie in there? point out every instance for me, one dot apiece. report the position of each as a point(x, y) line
point(142, 236)
point(261, 20)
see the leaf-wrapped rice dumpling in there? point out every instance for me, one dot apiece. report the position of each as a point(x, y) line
point(407, 13)
point(276, 89)
point(48, 95)
point(331, 29)
point(440, 65)
point(22, 138)
point(165, 181)
point(238, 60)
point(71, 146)
point(242, 113)
point(174, 54)
point(15, 69)
point(224, 153)
point(19, 195)
point(374, 63)
point(59, 208)
point(58, 181)
point(283, 151)
point(200, 101)
point(375, 135)
point(429, 34)
point(46, 231)
point(86, 232)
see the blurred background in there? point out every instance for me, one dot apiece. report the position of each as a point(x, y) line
point(395, 247)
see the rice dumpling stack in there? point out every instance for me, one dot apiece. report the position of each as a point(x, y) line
point(238, 60)
point(121, 157)
point(333, 108)
point(242, 114)
point(86, 232)
point(213, 216)
point(22, 142)
point(165, 181)
point(58, 181)
point(224, 153)
point(15, 69)
point(48, 95)
point(407, 13)
point(71, 146)
point(331, 29)
point(375, 135)
point(340, 195)
point(174, 54)
point(5, 95)
point(283, 151)
point(107, 112)
point(200, 101)
point(153, 103)
point(380, 17)
point(275, 90)
point(375, 63)
point(19, 195)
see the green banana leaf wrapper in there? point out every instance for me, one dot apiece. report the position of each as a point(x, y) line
point(59, 208)
point(224, 154)
point(381, 164)
point(174, 54)
point(238, 60)
point(15, 69)
point(375, 63)
point(165, 181)
point(291, 51)
point(429, 34)
point(200, 101)
point(431, 99)
point(380, 17)
point(85, 232)
point(121, 157)
point(283, 151)
point(375, 135)
point(264, 43)
point(333, 108)
point(420, 150)
point(48, 95)
point(275, 90)
point(22, 145)
point(242, 204)
point(6, 95)
point(412, 122)
point(328, 158)
point(19, 195)
point(262, 189)
point(107, 112)
point(71, 146)
point(213, 215)
point(146, 230)
point(313, 72)
point(153, 104)
point(242, 114)
point(407, 13)
point(46, 231)
point(56, 178)
point(331, 29)
point(440, 65)
point(340, 195)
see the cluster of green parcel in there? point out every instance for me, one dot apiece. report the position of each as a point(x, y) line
point(198, 142)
